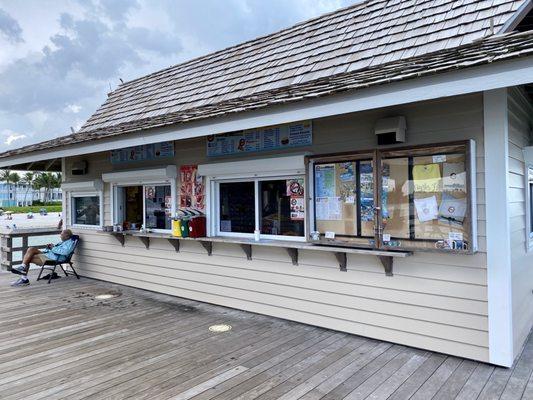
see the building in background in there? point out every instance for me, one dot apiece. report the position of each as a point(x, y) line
point(21, 194)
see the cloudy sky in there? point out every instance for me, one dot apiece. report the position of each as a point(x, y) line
point(59, 59)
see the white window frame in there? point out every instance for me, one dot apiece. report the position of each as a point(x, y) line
point(114, 198)
point(74, 195)
point(82, 189)
point(159, 176)
point(215, 209)
point(528, 179)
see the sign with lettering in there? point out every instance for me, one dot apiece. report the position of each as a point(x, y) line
point(261, 139)
point(145, 152)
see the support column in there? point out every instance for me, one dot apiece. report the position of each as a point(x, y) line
point(500, 307)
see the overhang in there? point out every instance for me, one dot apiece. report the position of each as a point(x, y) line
point(518, 71)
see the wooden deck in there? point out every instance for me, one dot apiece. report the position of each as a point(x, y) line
point(58, 342)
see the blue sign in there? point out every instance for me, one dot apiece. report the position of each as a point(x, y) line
point(262, 139)
point(145, 152)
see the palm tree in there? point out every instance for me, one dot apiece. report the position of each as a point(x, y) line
point(5, 176)
point(47, 181)
point(15, 179)
point(28, 179)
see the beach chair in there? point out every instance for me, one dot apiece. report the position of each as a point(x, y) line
point(51, 265)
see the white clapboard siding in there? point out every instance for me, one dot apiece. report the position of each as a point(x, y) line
point(433, 301)
point(520, 113)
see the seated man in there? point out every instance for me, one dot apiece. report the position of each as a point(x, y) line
point(58, 252)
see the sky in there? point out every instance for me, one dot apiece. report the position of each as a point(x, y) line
point(60, 58)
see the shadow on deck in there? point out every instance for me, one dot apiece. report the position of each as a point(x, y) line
point(61, 341)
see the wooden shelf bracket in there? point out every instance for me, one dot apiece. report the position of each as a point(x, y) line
point(175, 243)
point(387, 262)
point(146, 241)
point(208, 246)
point(341, 258)
point(120, 237)
point(293, 253)
point(247, 248)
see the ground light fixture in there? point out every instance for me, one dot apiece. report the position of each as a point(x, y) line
point(105, 296)
point(218, 328)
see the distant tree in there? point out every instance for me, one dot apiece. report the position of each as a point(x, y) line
point(47, 181)
point(28, 179)
point(15, 179)
point(5, 176)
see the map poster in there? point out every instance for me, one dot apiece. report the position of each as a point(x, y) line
point(261, 139)
point(325, 180)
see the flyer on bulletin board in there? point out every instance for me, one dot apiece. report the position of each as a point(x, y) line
point(325, 180)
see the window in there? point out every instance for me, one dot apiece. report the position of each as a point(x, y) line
point(273, 207)
point(237, 204)
point(148, 205)
point(423, 200)
point(157, 207)
point(86, 210)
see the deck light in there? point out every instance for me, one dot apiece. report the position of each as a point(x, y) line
point(220, 328)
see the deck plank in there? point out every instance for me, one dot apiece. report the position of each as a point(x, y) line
point(58, 342)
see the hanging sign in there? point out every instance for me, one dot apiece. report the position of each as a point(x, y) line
point(192, 189)
point(144, 152)
point(261, 139)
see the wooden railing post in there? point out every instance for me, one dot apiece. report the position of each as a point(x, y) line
point(7, 254)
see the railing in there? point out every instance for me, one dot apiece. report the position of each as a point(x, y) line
point(14, 243)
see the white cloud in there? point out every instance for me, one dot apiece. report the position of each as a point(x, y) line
point(55, 74)
point(11, 136)
point(73, 108)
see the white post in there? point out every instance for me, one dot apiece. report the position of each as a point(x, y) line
point(495, 122)
point(64, 197)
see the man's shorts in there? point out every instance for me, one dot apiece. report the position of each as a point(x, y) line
point(40, 259)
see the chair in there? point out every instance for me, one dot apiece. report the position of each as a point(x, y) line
point(52, 265)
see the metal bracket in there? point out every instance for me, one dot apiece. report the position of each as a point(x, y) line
point(175, 243)
point(293, 253)
point(120, 237)
point(247, 248)
point(208, 246)
point(146, 241)
point(387, 262)
point(341, 258)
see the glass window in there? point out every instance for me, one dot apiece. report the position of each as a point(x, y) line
point(424, 198)
point(157, 207)
point(344, 200)
point(272, 206)
point(281, 206)
point(86, 210)
point(237, 207)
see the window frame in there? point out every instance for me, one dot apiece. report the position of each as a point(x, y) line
point(378, 154)
point(528, 186)
point(115, 198)
point(215, 207)
point(79, 194)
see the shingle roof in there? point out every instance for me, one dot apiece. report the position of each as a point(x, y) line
point(366, 44)
point(361, 36)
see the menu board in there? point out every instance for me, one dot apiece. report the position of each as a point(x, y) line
point(145, 152)
point(261, 139)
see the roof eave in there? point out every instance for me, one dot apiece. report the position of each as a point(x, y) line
point(496, 75)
